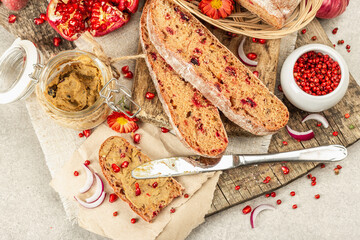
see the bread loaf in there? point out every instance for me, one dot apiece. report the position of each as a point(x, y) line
point(199, 57)
point(196, 121)
point(152, 199)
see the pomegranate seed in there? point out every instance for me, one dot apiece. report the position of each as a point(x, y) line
point(267, 179)
point(348, 50)
point(267, 195)
point(136, 185)
point(256, 73)
point(81, 135)
point(137, 138)
point(313, 179)
point(43, 16)
point(125, 164)
point(322, 165)
point(76, 173)
point(38, 21)
point(336, 171)
point(285, 170)
point(12, 18)
point(278, 202)
point(129, 75)
point(155, 184)
point(348, 46)
point(262, 41)
point(115, 167)
point(255, 40)
point(164, 130)
point(317, 196)
point(292, 193)
point(313, 183)
point(313, 38)
point(339, 167)
point(113, 197)
point(303, 31)
point(56, 41)
point(280, 88)
point(186, 195)
point(122, 155)
point(125, 69)
point(149, 95)
point(334, 31)
point(285, 143)
point(237, 187)
point(335, 133)
point(246, 209)
point(251, 56)
point(309, 176)
point(87, 162)
point(133, 220)
point(341, 42)
point(294, 206)
point(319, 124)
point(347, 115)
point(273, 194)
point(115, 214)
point(172, 210)
point(137, 191)
point(87, 132)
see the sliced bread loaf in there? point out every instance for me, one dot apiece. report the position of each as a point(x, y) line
point(143, 196)
point(196, 121)
point(274, 12)
point(199, 57)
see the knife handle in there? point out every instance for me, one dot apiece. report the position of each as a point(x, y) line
point(331, 153)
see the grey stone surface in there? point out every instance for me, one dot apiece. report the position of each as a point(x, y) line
point(30, 209)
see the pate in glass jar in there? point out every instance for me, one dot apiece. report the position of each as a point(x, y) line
point(75, 88)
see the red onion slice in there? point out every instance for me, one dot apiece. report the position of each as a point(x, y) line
point(99, 190)
point(89, 180)
point(243, 58)
point(317, 117)
point(302, 136)
point(93, 204)
point(257, 210)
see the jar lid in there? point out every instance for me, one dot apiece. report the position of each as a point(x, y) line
point(17, 68)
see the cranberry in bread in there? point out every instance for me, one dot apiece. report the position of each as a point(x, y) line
point(145, 197)
point(199, 57)
point(196, 121)
point(274, 12)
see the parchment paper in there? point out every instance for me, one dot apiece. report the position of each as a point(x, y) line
point(100, 220)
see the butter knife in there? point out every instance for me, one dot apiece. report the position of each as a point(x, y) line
point(177, 166)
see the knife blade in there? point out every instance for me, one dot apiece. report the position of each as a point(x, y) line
point(177, 166)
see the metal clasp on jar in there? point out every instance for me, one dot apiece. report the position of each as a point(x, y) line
point(120, 106)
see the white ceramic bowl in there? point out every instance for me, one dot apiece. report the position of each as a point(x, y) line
point(301, 99)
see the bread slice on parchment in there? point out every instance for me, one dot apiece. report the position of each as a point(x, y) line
point(116, 150)
point(196, 121)
point(199, 57)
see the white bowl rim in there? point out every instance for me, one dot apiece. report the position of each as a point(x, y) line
point(329, 51)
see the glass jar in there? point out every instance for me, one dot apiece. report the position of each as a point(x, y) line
point(22, 68)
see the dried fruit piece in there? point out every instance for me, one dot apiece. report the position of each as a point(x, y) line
point(216, 8)
point(121, 123)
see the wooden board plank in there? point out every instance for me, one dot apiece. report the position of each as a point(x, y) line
point(250, 178)
point(24, 27)
point(152, 110)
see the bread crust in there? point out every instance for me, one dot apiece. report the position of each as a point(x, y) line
point(119, 191)
point(184, 139)
point(188, 72)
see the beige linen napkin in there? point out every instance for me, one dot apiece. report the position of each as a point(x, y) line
point(189, 212)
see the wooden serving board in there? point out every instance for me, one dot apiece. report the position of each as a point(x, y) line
point(249, 177)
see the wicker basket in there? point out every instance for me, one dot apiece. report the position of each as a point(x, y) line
point(244, 22)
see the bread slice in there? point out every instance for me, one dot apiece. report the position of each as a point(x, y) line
point(196, 121)
point(200, 58)
point(274, 12)
point(116, 150)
